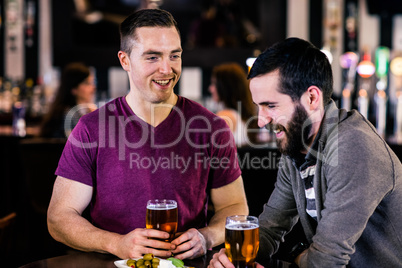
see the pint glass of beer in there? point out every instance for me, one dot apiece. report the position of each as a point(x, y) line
point(241, 240)
point(162, 215)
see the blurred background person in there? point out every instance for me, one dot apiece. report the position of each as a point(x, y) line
point(74, 98)
point(230, 88)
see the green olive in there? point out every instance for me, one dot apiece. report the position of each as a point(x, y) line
point(140, 262)
point(148, 257)
point(155, 260)
point(131, 262)
point(147, 263)
point(141, 266)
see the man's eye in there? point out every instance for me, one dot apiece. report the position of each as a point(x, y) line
point(175, 56)
point(270, 106)
point(152, 58)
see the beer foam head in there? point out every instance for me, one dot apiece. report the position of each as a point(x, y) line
point(241, 226)
point(162, 205)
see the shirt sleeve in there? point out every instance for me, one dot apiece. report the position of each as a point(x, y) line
point(279, 215)
point(224, 162)
point(77, 160)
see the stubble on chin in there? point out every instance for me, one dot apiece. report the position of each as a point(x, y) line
point(281, 144)
point(296, 134)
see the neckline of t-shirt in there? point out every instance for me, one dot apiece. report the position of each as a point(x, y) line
point(170, 117)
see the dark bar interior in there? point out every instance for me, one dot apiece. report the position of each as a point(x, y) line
point(39, 38)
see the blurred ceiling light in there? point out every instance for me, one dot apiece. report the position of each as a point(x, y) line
point(396, 66)
point(250, 62)
point(348, 60)
point(327, 53)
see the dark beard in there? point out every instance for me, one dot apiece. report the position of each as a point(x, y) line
point(297, 134)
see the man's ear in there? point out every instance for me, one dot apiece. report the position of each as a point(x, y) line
point(124, 60)
point(314, 97)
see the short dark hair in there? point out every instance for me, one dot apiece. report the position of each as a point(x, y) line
point(143, 18)
point(300, 65)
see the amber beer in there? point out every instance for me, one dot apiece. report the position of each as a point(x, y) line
point(242, 240)
point(162, 215)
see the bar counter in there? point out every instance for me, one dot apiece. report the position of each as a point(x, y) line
point(93, 260)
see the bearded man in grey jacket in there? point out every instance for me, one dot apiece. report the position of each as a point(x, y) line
point(336, 175)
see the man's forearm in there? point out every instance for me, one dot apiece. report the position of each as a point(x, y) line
point(78, 233)
point(214, 233)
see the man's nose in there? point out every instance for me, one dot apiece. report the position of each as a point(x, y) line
point(264, 118)
point(263, 121)
point(165, 67)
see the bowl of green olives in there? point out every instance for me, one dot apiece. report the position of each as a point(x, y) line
point(150, 261)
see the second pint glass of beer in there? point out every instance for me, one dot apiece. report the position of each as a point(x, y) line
point(162, 215)
point(242, 240)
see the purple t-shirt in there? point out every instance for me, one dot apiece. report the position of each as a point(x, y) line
point(128, 162)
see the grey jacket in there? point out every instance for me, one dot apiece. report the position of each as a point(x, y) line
point(358, 189)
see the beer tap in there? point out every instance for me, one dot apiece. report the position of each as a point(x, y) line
point(348, 61)
point(396, 70)
point(365, 69)
point(382, 64)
